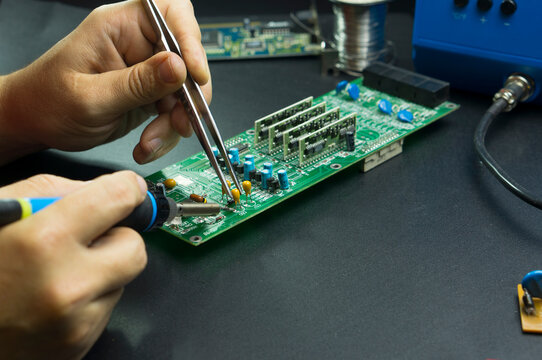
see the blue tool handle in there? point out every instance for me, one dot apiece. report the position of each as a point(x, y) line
point(152, 213)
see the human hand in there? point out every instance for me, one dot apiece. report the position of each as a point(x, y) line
point(94, 86)
point(63, 269)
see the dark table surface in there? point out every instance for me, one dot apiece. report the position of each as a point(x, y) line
point(417, 259)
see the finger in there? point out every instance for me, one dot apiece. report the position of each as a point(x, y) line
point(41, 186)
point(82, 215)
point(179, 16)
point(179, 117)
point(138, 85)
point(157, 139)
point(116, 258)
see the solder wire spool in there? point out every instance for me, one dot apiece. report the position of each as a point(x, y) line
point(360, 34)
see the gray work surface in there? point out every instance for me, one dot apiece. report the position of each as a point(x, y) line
point(416, 259)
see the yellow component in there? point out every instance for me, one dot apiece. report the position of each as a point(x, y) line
point(530, 323)
point(247, 186)
point(170, 183)
point(229, 183)
point(236, 195)
point(26, 207)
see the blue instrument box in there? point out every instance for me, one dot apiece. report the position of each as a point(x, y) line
point(476, 44)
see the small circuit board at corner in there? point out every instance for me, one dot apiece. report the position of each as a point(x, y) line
point(304, 144)
point(256, 39)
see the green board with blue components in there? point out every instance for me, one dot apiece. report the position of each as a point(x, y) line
point(319, 144)
point(256, 39)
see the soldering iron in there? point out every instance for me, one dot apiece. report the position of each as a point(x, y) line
point(152, 213)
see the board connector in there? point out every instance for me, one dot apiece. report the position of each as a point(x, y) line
point(411, 86)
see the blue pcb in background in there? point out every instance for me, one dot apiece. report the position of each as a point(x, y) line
point(475, 45)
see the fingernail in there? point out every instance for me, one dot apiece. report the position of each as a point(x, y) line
point(142, 184)
point(169, 69)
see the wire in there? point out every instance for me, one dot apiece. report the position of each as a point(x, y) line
point(500, 104)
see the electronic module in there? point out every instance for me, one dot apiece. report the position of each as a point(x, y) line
point(256, 39)
point(302, 144)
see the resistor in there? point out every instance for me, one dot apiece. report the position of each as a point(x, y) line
point(198, 198)
point(170, 183)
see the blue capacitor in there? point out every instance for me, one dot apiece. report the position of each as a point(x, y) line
point(353, 91)
point(268, 166)
point(265, 175)
point(385, 106)
point(283, 179)
point(249, 165)
point(405, 116)
point(234, 152)
point(215, 151)
point(250, 158)
point(341, 86)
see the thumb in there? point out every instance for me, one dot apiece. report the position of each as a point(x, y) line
point(141, 84)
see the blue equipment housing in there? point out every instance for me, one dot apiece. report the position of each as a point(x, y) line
point(475, 45)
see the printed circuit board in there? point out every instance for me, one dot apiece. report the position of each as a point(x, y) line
point(304, 144)
point(256, 39)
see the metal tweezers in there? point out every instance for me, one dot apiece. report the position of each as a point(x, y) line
point(192, 98)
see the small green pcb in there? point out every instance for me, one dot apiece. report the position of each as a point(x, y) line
point(256, 39)
point(310, 145)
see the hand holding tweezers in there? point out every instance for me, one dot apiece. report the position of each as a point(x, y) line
point(193, 100)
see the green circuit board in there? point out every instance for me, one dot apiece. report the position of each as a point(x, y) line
point(318, 150)
point(256, 39)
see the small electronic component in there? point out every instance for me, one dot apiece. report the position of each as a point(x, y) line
point(350, 141)
point(247, 167)
point(215, 151)
point(405, 116)
point(198, 198)
point(276, 130)
point(341, 86)
point(385, 106)
point(254, 44)
point(236, 196)
point(170, 183)
point(258, 176)
point(252, 175)
point(240, 168)
point(406, 84)
point(265, 174)
point(290, 141)
point(241, 147)
point(272, 184)
point(268, 166)
point(353, 91)
point(283, 179)
point(234, 152)
point(247, 187)
point(327, 138)
point(250, 157)
point(211, 39)
point(261, 126)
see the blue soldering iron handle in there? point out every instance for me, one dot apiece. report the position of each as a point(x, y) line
point(152, 213)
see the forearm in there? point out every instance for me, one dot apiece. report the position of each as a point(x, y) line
point(14, 143)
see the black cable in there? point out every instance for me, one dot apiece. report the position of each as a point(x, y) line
point(479, 143)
